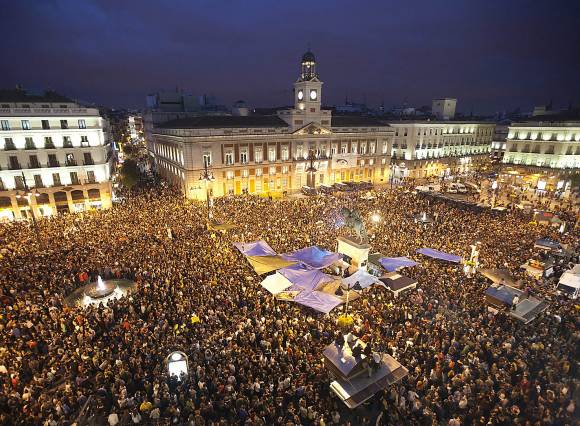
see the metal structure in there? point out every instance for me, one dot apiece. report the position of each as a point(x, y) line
point(28, 195)
point(353, 220)
point(207, 176)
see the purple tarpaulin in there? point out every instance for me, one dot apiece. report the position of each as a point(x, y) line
point(393, 263)
point(257, 248)
point(440, 255)
point(318, 300)
point(303, 278)
point(313, 256)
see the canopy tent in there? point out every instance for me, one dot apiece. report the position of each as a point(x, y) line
point(303, 278)
point(317, 300)
point(547, 244)
point(313, 256)
point(398, 283)
point(436, 254)
point(362, 277)
point(571, 278)
point(393, 263)
point(276, 283)
point(265, 264)
point(257, 248)
point(502, 294)
point(499, 276)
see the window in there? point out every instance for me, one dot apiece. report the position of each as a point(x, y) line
point(206, 159)
point(272, 170)
point(244, 157)
point(284, 153)
point(272, 153)
point(70, 159)
point(25, 125)
point(259, 185)
point(285, 169)
point(13, 162)
point(229, 158)
point(38, 181)
point(18, 182)
point(258, 172)
point(333, 149)
point(84, 141)
point(5, 124)
point(90, 176)
point(64, 124)
point(29, 143)
point(343, 148)
point(230, 174)
point(45, 125)
point(52, 161)
point(373, 147)
point(74, 178)
point(66, 142)
point(9, 144)
point(56, 179)
point(353, 149)
point(33, 162)
point(88, 159)
point(258, 158)
point(48, 143)
point(245, 173)
point(299, 151)
point(82, 124)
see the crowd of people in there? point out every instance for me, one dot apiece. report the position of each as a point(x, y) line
point(256, 361)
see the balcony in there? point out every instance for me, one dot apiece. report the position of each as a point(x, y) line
point(71, 163)
point(54, 164)
point(9, 146)
point(67, 144)
point(15, 166)
point(34, 165)
point(91, 162)
point(49, 145)
point(75, 181)
point(29, 146)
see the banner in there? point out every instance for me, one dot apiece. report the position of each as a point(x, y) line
point(344, 161)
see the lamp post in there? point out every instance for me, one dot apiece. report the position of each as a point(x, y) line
point(494, 186)
point(28, 195)
point(207, 176)
point(311, 170)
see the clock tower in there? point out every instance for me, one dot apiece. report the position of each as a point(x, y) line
point(307, 99)
point(308, 88)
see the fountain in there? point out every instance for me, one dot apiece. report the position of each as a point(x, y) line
point(100, 289)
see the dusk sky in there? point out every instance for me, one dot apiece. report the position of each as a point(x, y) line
point(493, 55)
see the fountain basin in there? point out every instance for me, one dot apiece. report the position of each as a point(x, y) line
point(100, 290)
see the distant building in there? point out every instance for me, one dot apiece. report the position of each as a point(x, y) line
point(444, 109)
point(269, 154)
point(55, 148)
point(498, 143)
point(135, 127)
point(543, 154)
point(423, 149)
point(351, 107)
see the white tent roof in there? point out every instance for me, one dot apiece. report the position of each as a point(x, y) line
point(276, 283)
point(571, 278)
point(364, 279)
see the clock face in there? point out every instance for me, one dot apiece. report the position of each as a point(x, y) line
point(300, 95)
point(313, 94)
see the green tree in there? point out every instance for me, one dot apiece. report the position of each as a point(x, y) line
point(129, 173)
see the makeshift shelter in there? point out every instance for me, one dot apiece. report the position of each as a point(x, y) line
point(499, 276)
point(257, 248)
point(501, 297)
point(313, 256)
point(318, 300)
point(362, 277)
point(398, 283)
point(436, 254)
point(276, 283)
point(393, 263)
point(569, 284)
point(265, 264)
point(547, 244)
point(303, 278)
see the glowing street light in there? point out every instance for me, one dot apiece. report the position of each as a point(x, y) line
point(207, 176)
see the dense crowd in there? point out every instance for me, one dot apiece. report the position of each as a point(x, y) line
point(255, 361)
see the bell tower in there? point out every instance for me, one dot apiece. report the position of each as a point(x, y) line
point(308, 88)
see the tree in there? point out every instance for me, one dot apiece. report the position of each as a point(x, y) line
point(129, 173)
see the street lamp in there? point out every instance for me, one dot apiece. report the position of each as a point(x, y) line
point(311, 170)
point(207, 176)
point(28, 196)
point(494, 186)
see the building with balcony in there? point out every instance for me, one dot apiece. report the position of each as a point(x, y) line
point(260, 154)
point(542, 154)
point(54, 149)
point(423, 149)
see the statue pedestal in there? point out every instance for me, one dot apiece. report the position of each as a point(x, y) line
point(358, 253)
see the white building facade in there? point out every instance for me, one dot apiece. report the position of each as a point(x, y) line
point(424, 149)
point(53, 157)
point(543, 153)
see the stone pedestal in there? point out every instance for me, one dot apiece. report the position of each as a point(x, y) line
point(358, 253)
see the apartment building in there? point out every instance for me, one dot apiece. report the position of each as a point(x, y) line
point(53, 156)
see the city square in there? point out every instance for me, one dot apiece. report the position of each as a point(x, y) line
point(293, 258)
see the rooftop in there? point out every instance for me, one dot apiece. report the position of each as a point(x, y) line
point(357, 121)
point(20, 95)
point(225, 122)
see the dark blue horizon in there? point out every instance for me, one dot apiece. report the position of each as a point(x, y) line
point(491, 55)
